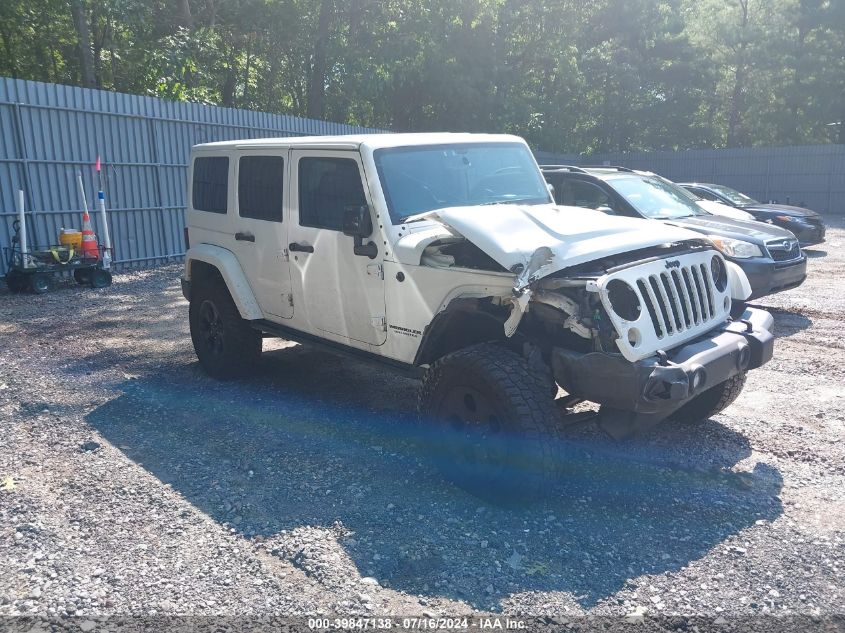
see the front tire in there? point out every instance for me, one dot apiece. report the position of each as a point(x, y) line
point(226, 345)
point(496, 423)
point(99, 278)
point(716, 399)
point(82, 276)
point(40, 283)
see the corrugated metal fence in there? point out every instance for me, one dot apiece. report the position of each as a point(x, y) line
point(810, 175)
point(49, 132)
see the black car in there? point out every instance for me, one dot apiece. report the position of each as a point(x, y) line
point(769, 255)
point(806, 225)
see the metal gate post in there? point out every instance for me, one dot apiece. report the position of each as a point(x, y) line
point(26, 178)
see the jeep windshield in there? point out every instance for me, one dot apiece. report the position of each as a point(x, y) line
point(423, 178)
point(655, 198)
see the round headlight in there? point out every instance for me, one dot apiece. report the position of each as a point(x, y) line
point(719, 272)
point(624, 301)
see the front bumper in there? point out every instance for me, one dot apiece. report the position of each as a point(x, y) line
point(645, 392)
point(767, 277)
point(807, 233)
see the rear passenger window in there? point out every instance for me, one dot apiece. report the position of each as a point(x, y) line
point(260, 181)
point(327, 187)
point(210, 185)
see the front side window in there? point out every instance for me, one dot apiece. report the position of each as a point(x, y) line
point(585, 194)
point(655, 198)
point(327, 187)
point(428, 177)
point(210, 186)
point(260, 183)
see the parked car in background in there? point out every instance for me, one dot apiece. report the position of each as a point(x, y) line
point(805, 224)
point(713, 207)
point(769, 255)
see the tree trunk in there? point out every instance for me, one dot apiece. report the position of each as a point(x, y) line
point(736, 134)
point(186, 18)
point(83, 37)
point(227, 90)
point(316, 106)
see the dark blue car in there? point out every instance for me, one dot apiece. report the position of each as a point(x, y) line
point(806, 225)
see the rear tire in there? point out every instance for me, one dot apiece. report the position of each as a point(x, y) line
point(16, 281)
point(713, 401)
point(226, 345)
point(496, 423)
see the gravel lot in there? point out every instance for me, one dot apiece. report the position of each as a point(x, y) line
point(132, 484)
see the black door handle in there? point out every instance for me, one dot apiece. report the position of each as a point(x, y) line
point(244, 237)
point(300, 248)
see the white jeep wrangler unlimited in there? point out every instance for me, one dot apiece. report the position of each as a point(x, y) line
point(445, 253)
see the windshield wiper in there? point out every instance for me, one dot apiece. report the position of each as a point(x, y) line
point(508, 201)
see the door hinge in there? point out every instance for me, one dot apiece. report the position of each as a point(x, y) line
point(375, 270)
point(379, 323)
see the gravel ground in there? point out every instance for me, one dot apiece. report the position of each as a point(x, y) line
point(131, 484)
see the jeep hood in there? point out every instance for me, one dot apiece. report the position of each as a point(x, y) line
point(512, 234)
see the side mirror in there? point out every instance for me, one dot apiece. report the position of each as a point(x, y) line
point(606, 209)
point(357, 224)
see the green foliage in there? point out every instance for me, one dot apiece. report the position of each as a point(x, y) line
point(568, 75)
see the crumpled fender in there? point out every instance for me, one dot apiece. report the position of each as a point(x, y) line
point(229, 267)
point(738, 282)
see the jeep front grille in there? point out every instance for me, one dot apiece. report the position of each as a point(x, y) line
point(678, 299)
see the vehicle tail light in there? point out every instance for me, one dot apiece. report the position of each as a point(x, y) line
point(187, 239)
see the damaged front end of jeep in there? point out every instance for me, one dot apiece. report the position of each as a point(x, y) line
point(640, 332)
point(643, 333)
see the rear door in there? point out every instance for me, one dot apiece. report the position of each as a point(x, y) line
point(341, 293)
point(261, 230)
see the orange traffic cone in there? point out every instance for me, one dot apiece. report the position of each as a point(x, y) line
point(90, 249)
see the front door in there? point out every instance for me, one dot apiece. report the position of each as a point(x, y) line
point(340, 292)
point(261, 230)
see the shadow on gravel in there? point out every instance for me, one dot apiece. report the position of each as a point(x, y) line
point(302, 445)
point(814, 253)
point(787, 322)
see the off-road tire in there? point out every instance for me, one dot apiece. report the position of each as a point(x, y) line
point(510, 455)
point(226, 345)
point(712, 401)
